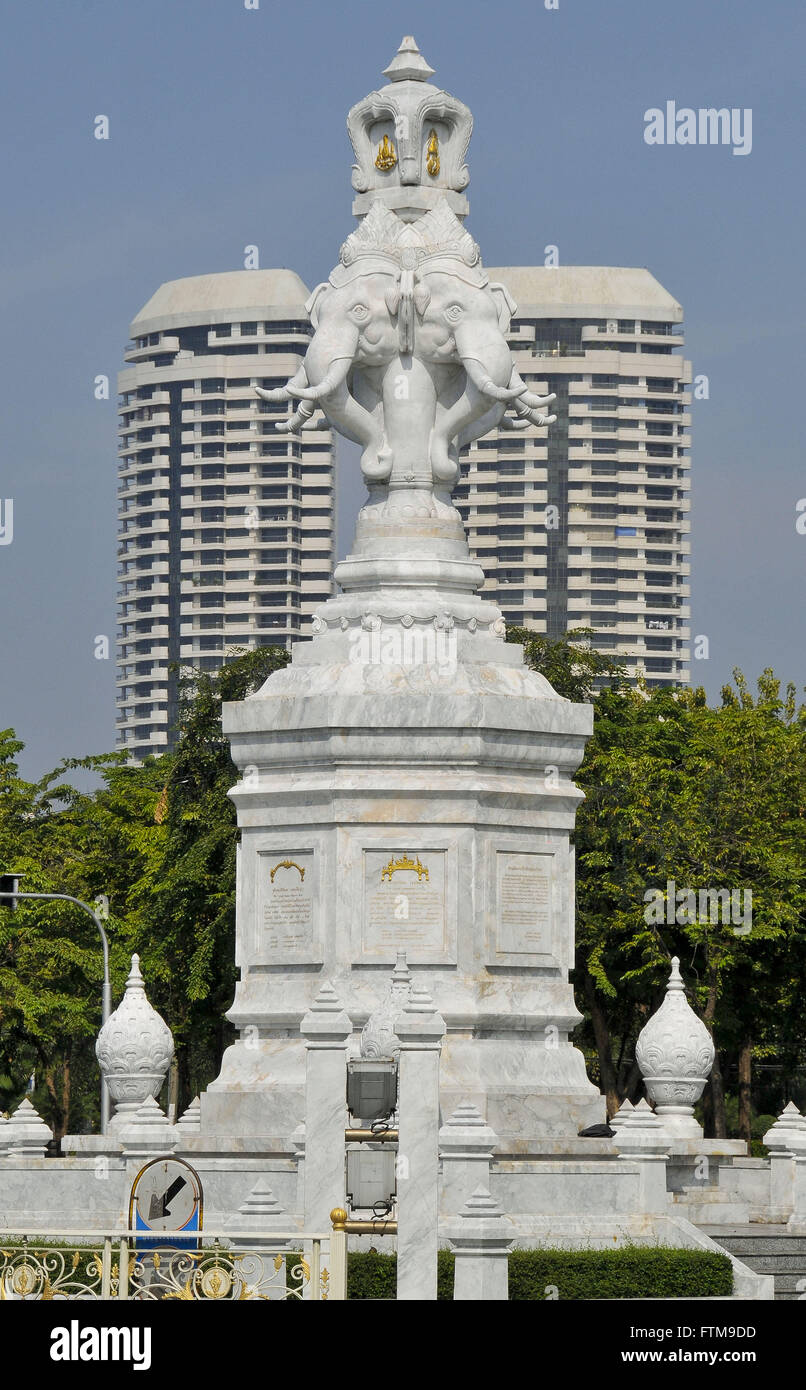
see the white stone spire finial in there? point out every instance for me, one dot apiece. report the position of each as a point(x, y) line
point(401, 975)
point(788, 1134)
point(26, 1132)
point(675, 1053)
point(408, 64)
point(327, 1001)
point(675, 982)
point(190, 1121)
point(622, 1114)
point(326, 1021)
point(379, 1041)
point(134, 1049)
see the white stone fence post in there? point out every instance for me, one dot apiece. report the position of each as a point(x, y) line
point(325, 1029)
point(784, 1140)
point(481, 1240)
point(642, 1139)
point(420, 1029)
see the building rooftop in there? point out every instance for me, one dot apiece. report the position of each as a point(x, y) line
point(576, 291)
point(215, 298)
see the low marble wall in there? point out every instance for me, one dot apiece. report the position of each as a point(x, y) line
point(92, 1192)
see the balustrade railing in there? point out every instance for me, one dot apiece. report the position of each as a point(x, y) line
point(133, 1265)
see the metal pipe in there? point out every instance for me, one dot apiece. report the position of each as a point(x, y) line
point(106, 993)
point(361, 1228)
point(370, 1228)
point(368, 1136)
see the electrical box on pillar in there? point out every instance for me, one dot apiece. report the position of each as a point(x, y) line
point(371, 1090)
point(371, 1179)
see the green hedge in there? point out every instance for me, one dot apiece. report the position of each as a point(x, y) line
point(630, 1272)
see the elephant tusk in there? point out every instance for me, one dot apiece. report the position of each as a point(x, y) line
point(527, 397)
point(508, 423)
point(336, 375)
point(484, 382)
point(282, 393)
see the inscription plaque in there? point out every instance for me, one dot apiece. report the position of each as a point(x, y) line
point(404, 903)
point(523, 902)
point(288, 908)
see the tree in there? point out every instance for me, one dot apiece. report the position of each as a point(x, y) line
point(571, 665)
point(50, 958)
point(707, 800)
point(182, 909)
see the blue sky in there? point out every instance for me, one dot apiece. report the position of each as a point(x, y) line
point(227, 128)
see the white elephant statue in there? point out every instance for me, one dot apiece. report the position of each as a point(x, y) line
point(409, 356)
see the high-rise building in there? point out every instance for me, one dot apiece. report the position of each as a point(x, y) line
point(226, 525)
point(585, 523)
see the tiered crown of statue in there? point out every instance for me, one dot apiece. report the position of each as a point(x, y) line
point(410, 141)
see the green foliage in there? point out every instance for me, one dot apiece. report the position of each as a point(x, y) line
point(370, 1275)
point(709, 799)
point(574, 668)
point(630, 1272)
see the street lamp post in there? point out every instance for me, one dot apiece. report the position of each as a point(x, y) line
point(106, 997)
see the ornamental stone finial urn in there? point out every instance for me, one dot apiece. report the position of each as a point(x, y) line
point(675, 1053)
point(379, 1041)
point(134, 1049)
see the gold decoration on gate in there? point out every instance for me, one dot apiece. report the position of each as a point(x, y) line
point(432, 153)
point(386, 158)
point(216, 1282)
point(404, 862)
point(23, 1280)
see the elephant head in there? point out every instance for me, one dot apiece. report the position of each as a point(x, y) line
point(410, 342)
point(352, 327)
point(466, 322)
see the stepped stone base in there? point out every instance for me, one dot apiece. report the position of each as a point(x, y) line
point(407, 784)
point(767, 1249)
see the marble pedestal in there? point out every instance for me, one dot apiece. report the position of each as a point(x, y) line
point(406, 782)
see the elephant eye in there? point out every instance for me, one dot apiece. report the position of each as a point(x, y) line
point(453, 313)
point(360, 311)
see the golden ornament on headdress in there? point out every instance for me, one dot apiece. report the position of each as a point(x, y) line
point(386, 158)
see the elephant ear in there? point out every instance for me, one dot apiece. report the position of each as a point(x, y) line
point(312, 305)
point(504, 303)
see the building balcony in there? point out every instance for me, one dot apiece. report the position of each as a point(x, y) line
point(167, 343)
point(154, 401)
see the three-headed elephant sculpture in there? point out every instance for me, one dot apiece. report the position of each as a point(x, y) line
point(409, 356)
